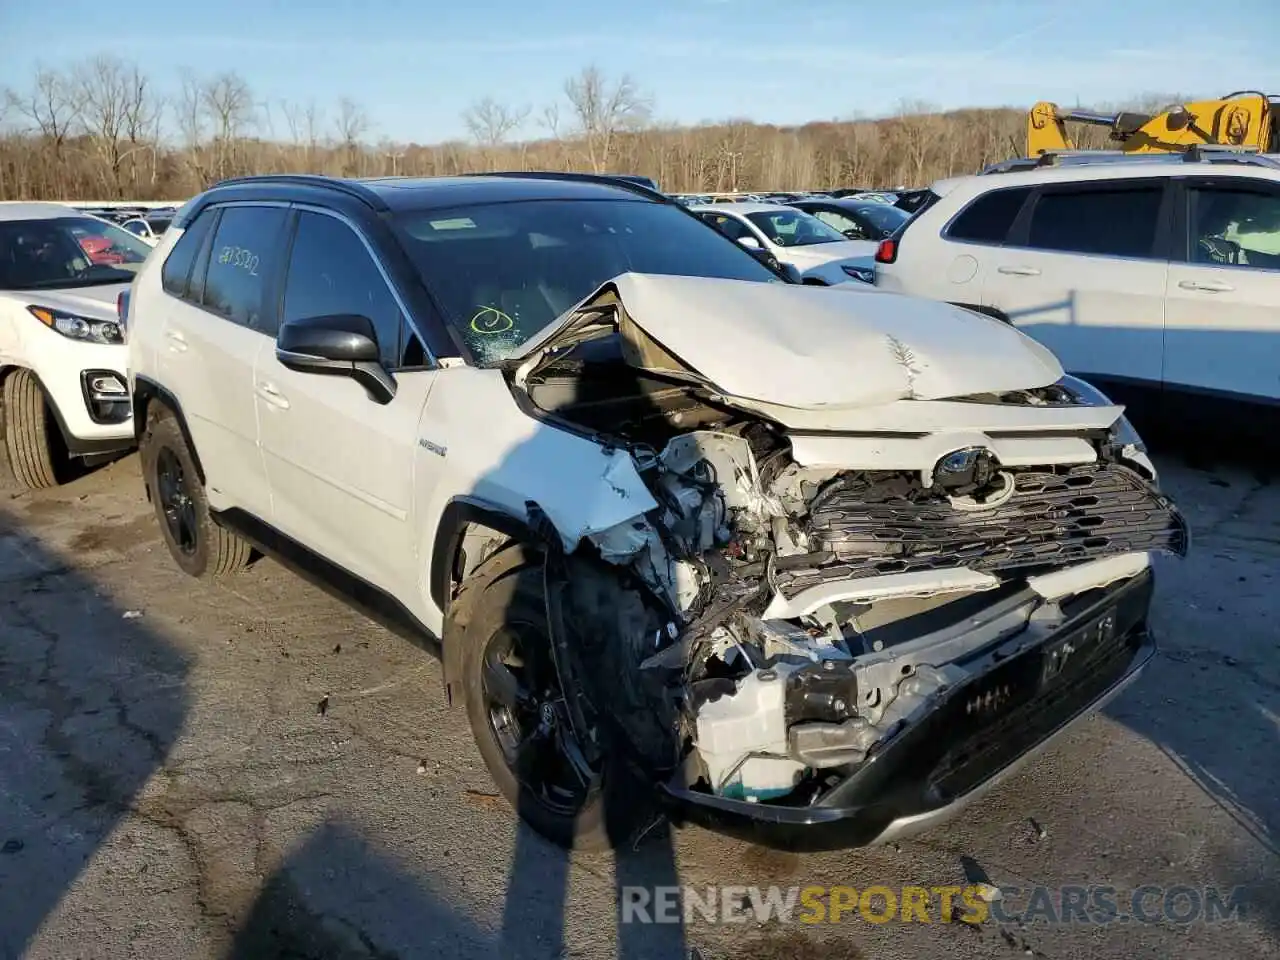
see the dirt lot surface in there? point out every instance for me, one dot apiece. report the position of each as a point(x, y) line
point(169, 786)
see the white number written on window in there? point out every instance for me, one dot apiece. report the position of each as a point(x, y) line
point(241, 257)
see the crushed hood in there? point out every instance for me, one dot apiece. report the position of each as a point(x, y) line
point(812, 348)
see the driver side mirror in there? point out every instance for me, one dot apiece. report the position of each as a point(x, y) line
point(344, 345)
point(749, 242)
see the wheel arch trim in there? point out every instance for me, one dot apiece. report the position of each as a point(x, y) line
point(146, 390)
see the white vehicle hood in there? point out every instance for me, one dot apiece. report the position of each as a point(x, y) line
point(828, 252)
point(98, 302)
point(810, 348)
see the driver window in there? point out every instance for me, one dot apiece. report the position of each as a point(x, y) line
point(331, 272)
point(1236, 227)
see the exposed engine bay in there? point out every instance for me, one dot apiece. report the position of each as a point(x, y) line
point(799, 596)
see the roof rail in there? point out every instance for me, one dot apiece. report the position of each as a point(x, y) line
point(1198, 153)
point(608, 179)
point(352, 188)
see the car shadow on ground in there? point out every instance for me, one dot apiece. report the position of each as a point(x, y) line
point(338, 897)
point(91, 702)
point(333, 889)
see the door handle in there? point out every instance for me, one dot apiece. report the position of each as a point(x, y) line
point(1208, 286)
point(177, 342)
point(1019, 271)
point(269, 393)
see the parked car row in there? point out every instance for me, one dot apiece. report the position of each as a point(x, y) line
point(787, 235)
point(813, 567)
point(146, 223)
point(788, 197)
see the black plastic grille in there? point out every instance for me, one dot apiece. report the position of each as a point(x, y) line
point(1054, 517)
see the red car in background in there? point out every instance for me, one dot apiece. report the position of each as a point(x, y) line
point(99, 248)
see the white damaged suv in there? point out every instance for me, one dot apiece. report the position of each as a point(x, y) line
point(811, 568)
point(62, 353)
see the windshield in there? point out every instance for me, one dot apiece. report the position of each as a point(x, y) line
point(883, 217)
point(794, 228)
point(67, 252)
point(503, 272)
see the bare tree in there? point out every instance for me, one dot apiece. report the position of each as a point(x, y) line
point(143, 112)
point(227, 102)
point(352, 123)
point(550, 120)
point(189, 109)
point(107, 93)
point(102, 125)
point(52, 105)
point(914, 134)
point(305, 123)
point(490, 123)
point(603, 111)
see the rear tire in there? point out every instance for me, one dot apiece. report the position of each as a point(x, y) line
point(30, 432)
point(501, 616)
point(198, 545)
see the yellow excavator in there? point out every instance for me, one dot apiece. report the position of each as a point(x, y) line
point(1246, 119)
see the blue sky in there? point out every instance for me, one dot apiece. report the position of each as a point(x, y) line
point(415, 66)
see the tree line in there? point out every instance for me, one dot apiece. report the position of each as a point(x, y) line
point(103, 129)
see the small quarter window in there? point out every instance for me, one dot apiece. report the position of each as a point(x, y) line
point(177, 266)
point(989, 218)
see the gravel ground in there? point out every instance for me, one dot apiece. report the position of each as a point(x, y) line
point(169, 786)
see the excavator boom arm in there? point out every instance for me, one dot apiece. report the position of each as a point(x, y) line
point(1242, 119)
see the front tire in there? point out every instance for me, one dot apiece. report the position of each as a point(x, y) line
point(200, 547)
point(517, 715)
point(30, 433)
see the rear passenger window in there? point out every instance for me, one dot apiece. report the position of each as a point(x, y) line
point(1117, 223)
point(988, 219)
point(177, 266)
point(331, 272)
point(245, 252)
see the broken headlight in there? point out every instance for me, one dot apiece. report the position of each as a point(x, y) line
point(1123, 433)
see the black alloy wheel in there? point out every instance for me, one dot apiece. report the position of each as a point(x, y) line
point(529, 720)
point(176, 501)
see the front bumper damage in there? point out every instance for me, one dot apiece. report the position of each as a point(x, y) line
point(827, 624)
point(975, 735)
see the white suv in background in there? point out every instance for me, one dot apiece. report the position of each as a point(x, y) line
point(1156, 271)
point(63, 275)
